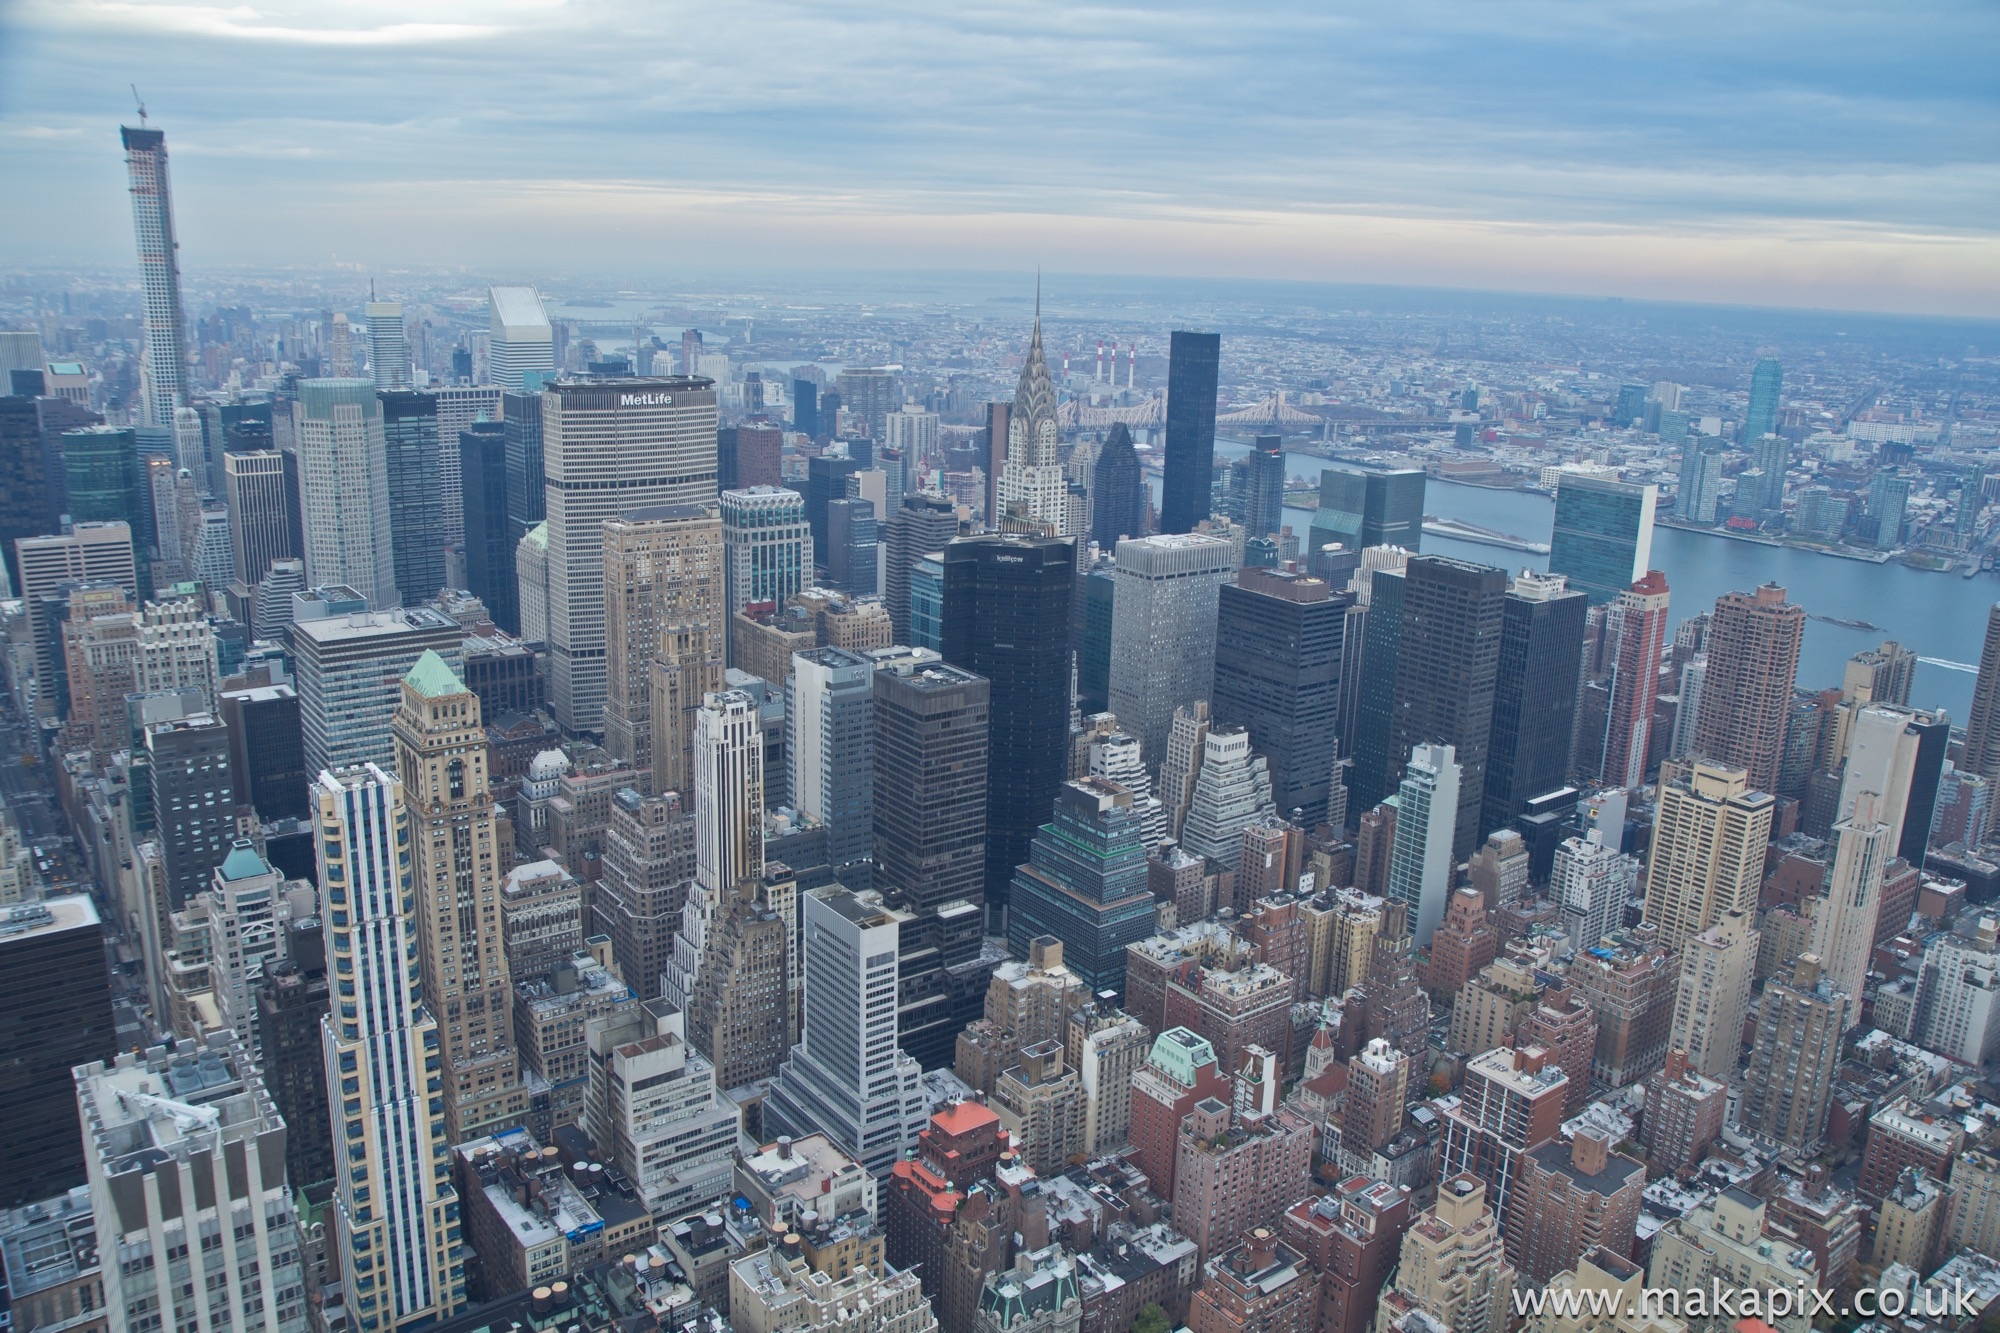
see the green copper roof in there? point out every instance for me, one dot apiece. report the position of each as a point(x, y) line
point(433, 677)
point(1181, 1052)
point(243, 863)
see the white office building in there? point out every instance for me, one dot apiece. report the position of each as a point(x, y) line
point(1958, 994)
point(847, 1076)
point(459, 406)
point(1591, 884)
point(1420, 860)
point(1163, 630)
point(1231, 792)
point(729, 826)
point(349, 671)
point(522, 341)
point(388, 345)
point(185, 1154)
point(651, 1103)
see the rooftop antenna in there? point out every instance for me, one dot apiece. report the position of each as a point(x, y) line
point(142, 105)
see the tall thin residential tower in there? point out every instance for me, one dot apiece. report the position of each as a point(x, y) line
point(164, 367)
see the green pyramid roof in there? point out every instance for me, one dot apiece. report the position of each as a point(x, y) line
point(243, 863)
point(433, 677)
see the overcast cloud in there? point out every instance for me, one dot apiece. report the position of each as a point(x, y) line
point(1831, 154)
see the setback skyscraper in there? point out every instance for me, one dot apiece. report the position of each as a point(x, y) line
point(1603, 536)
point(522, 342)
point(663, 623)
point(1085, 883)
point(163, 369)
point(1193, 366)
point(1006, 617)
point(768, 546)
point(1421, 857)
point(610, 447)
point(1033, 489)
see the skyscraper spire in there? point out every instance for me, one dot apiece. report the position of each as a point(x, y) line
point(1032, 485)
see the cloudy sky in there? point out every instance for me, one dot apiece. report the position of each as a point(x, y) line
point(1817, 153)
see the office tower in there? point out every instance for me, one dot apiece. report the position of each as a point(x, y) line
point(1187, 738)
point(1700, 480)
point(1899, 755)
point(1193, 363)
point(1421, 857)
point(163, 382)
point(1762, 417)
point(1117, 491)
point(457, 407)
point(489, 552)
point(850, 546)
point(1844, 931)
point(259, 525)
point(920, 526)
point(1534, 695)
point(20, 350)
point(30, 474)
point(1031, 482)
point(1360, 508)
point(610, 448)
point(1773, 455)
point(184, 1142)
point(1163, 630)
point(1085, 883)
point(931, 736)
point(88, 553)
point(1264, 496)
point(521, 342)
point(103, 483)
point(870, 394)
point(416, 489)
point(194, 800)
point(247, 918)
point(393, 1201)
point(1446, 672)
point(1114, 755)
point(441, 757)
point(1573, 1200)
point(729, 828)
point(1707, 852)
point(527, 505)
point(1753, 658)
point(388, 345)
point(1277, 673)
point(1603, 538)
point(1981, 755)
point(1230, 792)
point(663, 629)
point(1713, 995)
point(99, 640)
point(344, 489)
point(1453, 1267)
point(60, 1020)
point(1794, 1057)
point(743, 1011)
point(1590, 883)
point(826, 481)
point(348, 668)
point(830, 746)
point(1635, 629)
point(767, 546)
point(846, 1076)
point(1006, 617)
point(293, 998)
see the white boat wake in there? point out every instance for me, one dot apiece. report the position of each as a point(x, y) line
point(1968, 667)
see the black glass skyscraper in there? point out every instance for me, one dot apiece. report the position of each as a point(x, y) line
point(1534, 696)
point(920, 526)
point(26, 479)
point(489, 555)
point(416, 492)
point(1277, 673)
point(54, 1015)
point(1193, 363)
point(1363, 507)
point(1007, 618)
point(1447, 663)
point(103, 483)
point(1117, 491)
point(805, 408)
point(1264, 493)
point(826, 481)
point(527, 503)
point(1374, 711)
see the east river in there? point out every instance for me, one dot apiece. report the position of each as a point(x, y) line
point(1941, 616)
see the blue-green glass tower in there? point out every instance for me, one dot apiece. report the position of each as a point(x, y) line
point(1603, 538)
point(1762, 418)
point(1085, 883)
point(104, 481)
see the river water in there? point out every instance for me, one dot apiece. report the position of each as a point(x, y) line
point(1941, 616)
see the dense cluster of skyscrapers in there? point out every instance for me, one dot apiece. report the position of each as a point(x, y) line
point(591, 857)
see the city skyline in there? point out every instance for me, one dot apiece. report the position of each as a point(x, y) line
point(1765, 183)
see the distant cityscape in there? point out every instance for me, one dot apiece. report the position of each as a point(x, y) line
point(997, 806)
